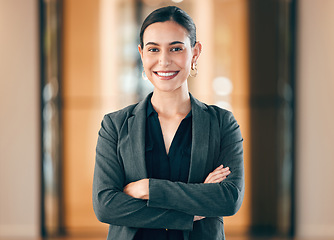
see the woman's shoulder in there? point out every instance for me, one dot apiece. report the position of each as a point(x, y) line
point(121, 115)
point(123, 111)
point(216, 113)
point(223, 115)
point(214, 110)
point(218, 110)
point(227, 123)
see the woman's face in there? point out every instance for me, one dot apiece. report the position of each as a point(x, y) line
point(167, 55)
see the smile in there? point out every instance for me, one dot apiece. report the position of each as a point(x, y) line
point(166, 75)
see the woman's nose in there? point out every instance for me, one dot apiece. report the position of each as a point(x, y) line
point(164, 59)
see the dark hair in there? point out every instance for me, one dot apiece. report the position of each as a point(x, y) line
point(170, 13)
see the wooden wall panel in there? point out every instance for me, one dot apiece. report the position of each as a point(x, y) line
point(82, 113)
point(231, 60)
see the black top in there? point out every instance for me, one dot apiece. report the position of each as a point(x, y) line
point(173, 166)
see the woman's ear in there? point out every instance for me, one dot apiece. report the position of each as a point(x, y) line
point(140, 50)
point(197, 49)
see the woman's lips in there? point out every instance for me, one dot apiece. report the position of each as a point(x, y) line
point(166, 75)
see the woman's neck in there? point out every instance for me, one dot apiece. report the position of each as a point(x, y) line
point(171, 103)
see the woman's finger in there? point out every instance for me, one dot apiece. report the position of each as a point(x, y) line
point(197, 218)
point(219, 172)
point(217, 179)
point(218, 175)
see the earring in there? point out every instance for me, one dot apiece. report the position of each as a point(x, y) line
point(143, 74)
point(193, 68)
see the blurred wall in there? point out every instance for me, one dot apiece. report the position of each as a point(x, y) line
point(19, 118)
point(82, 114)
point(315, 114)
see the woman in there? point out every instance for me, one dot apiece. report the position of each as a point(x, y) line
point(168, 167)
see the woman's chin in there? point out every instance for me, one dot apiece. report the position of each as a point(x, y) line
point(169, 87)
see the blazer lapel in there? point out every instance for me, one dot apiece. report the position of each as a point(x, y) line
point(200, 141)
point(136, 134)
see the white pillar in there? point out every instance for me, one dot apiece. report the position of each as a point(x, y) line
point(19, 119)
point(315, 114)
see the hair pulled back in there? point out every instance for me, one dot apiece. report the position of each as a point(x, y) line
point(170, 13)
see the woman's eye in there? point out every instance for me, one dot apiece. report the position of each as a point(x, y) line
point(153, 50)
point(176, 49)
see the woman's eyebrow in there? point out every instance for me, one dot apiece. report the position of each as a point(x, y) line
point(176, 42)
point(156, 44)
point(151, 43)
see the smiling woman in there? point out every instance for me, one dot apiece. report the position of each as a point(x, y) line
point(170, 166)
point(167, 54)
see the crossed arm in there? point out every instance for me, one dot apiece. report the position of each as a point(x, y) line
point(140, 188)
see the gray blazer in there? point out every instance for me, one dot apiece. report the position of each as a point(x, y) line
point(120, 159)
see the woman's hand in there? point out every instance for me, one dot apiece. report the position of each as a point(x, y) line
point(197, 218)
point(218, 175)
point(138, 189)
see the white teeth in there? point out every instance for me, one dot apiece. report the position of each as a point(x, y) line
point(167, 74)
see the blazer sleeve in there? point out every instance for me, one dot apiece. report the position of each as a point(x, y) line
point(211, 199)
point(114, 207)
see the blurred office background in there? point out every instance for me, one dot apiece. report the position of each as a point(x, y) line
point(65, 63)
